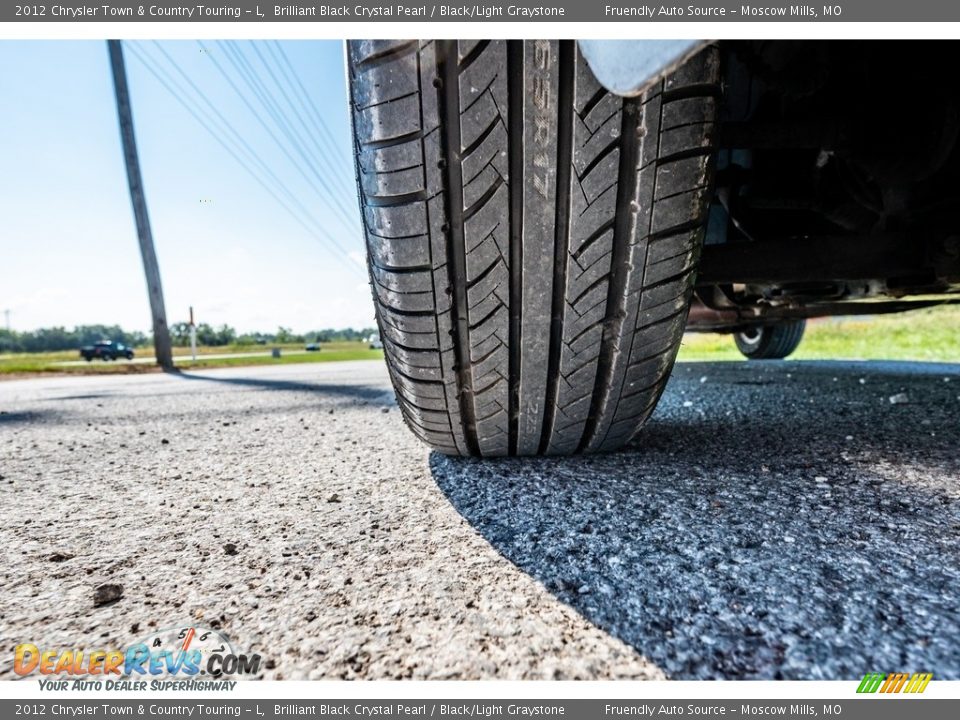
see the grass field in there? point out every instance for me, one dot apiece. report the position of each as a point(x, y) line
point(931, 335)
point(55, 362)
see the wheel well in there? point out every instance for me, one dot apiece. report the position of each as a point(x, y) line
point(838, 176)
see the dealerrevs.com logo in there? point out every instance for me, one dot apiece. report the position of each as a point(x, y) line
point(174, 658)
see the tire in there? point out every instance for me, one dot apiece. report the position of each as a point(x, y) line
point(532, 239)
point(770, 342)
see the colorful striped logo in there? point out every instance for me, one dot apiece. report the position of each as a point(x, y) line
point(894, 683)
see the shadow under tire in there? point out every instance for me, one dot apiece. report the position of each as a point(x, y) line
point(532, 239)
point(770, 342)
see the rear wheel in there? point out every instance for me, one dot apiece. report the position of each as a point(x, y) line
point(532, 238)
point(770, 342)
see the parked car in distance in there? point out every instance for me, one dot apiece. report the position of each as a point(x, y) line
point(106, 350)
point(375, 342)
point(312, 347)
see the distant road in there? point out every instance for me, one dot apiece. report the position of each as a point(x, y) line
point(183, 358)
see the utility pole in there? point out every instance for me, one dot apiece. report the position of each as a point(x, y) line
point(7, 316)
point(161, 333)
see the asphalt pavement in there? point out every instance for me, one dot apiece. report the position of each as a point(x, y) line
point(774, 520)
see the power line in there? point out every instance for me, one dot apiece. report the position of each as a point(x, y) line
point(329, 158)
point(256, 85)
point(341, 253)
point(328, 163)
point(178, 92)
point(258, 117)
point(238, 137)
point(280, 116)
point(331, 143)
point(299, 142)
point(319, 231)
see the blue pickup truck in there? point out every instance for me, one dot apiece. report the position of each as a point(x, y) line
point(106, 350)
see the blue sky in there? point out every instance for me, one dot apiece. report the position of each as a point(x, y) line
point(68, 249)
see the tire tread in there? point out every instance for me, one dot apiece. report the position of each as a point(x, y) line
point(531, 284)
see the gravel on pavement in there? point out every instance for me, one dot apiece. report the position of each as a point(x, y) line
point(794, 520)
